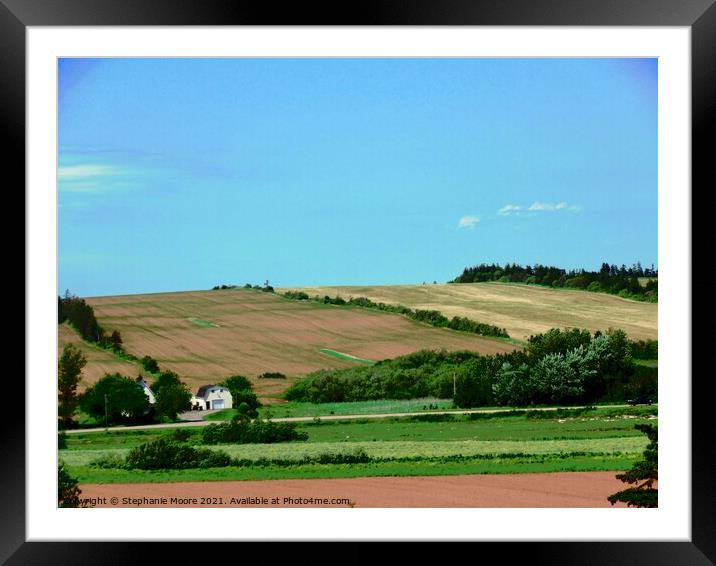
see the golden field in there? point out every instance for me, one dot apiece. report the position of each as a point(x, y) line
point(522, 310)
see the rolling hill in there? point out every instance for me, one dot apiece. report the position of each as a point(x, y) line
point(521, 309)
point(207, 335)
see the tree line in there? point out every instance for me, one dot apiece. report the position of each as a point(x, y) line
point(266, 288)
point(431, 317)
point(558, 367)
point(80, 315)
point(622, 281)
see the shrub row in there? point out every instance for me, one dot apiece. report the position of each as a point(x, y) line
point(431, 317)
point(256, 432)
point(166, 455)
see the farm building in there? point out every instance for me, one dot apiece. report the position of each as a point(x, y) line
point(147, 391)
point(211, 397)
point(150, 396)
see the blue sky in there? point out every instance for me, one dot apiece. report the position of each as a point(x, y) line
point(179, 174)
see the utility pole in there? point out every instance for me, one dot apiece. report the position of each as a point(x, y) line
point(454, 387)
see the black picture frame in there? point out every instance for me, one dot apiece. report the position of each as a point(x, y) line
point(698, 15)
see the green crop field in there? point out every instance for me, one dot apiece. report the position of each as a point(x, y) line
point(600, 439)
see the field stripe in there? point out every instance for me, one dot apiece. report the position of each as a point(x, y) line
point(347, 357)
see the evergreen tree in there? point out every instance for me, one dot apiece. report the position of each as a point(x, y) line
point(68, 493)
point(69, 375)
point(644, 471)
point(115, 341)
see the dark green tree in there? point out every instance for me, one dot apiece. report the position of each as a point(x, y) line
point(172, 395)
point(149, 364)
point(68, 493)
point(115, 341)
point(236, 383)
point(644, 473)
point(125, 399)
point(69, 375)
point(242, 393)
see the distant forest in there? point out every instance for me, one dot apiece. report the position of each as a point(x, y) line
point(622, 281)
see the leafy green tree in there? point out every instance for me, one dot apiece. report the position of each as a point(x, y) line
point(236, 383)
point(171, 394)
point(69, 375)
point(555, 380)
point(115, 341)
point(557, 341)
point(149, 364)
point(125, 399)
point(242, 392)
point(644, 472)
point(513, 385)
point(68, 492)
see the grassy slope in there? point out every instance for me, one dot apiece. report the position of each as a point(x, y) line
point(257, 332)
point(521, 309)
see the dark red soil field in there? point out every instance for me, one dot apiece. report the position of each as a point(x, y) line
point(565, 489)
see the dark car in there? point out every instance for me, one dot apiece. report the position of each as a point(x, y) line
point(640, 400)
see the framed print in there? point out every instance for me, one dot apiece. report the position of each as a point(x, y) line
point(355, 201)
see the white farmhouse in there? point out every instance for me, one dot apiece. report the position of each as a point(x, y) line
point(150, 396)
point(147, 391)
point(211, 397)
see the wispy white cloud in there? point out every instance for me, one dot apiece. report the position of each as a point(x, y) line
point(538, 206)
point(468, 221)
point(541, 206)
point(83, 172)
point(93, 177)
point(77, 175)
point(509, 209)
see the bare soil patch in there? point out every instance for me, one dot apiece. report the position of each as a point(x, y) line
point(564, 489)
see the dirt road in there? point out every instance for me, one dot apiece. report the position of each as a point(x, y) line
point(565, 489)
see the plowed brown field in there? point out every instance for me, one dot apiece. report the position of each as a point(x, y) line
point(521, 309)
point(563, 489)
point(251, 332)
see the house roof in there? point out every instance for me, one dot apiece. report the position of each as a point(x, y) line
point(203, 389)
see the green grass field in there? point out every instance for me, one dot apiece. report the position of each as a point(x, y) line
point(378, 407)
point(345, 357)
point(383, 406)
point(202, 323)
point(603, 439)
